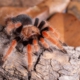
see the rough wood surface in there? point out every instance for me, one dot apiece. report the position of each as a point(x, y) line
point(68, 26)
point(54, 65)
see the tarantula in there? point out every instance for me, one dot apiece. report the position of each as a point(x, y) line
point(24, 31)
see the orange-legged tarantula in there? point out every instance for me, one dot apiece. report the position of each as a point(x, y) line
point(23, 30)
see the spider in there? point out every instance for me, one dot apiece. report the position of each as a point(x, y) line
point(22, 30)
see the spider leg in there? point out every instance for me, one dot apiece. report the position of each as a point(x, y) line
point(42, 23)
point(36, 22)
point(53, 40)
point(12, 46)
point(53, 32)
point(29, 54)
point(43, 42)
point(35, 43)
point(56, 34)
point(10, 26)
point(17, 24)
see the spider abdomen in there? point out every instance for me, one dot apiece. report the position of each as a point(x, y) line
point(17, 23)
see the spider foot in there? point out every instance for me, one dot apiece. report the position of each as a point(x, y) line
point(50, 49)
point(64, 44)
point(64, 51)
point(29, 75)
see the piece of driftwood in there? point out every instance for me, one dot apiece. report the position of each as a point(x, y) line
point(19, 3)
point(74, 8)
point(43, 10)
point(49, 6)
point(54, 65)
point(6, 12)
point(68, 26)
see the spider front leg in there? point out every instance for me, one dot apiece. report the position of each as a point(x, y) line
point(29, 57)
point(9, 51)
point(53, 40)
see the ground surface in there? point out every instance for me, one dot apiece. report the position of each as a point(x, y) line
point(54, 65)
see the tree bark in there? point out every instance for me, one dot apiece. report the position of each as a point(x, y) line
point(54, 65)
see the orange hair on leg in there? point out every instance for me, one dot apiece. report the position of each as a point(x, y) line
point(12, 46)
point(29, 54)
point(54, 32)
point(53, 40)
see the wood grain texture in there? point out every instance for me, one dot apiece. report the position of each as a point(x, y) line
point(68, 26)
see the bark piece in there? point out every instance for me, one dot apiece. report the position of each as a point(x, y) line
point(74, 8)
point(6, 12)
point(68, 27)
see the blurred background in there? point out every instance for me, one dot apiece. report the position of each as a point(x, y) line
point(19, 3)
point(63, 15)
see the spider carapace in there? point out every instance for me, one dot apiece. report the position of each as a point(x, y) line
point(22, 28)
